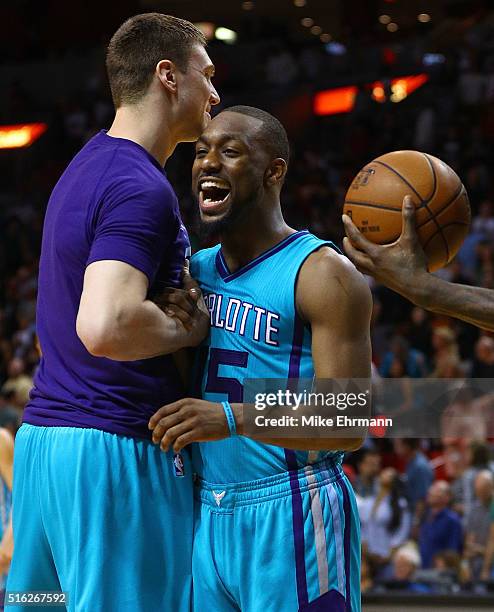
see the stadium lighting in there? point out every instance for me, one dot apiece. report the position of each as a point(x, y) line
point(20, 136)
point(342, 99)
point(307, 22)
point(424, 17)
point(226, 35)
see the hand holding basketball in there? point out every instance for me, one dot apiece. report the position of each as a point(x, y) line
point(375, 196)
point(399, 265)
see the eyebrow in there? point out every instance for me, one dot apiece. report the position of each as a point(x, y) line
point(203, 139)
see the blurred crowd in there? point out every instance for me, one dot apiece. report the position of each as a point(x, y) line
point(426, 506)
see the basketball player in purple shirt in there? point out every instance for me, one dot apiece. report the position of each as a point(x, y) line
point(99, 511)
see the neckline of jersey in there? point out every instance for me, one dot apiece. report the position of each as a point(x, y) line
point(135, 145)
point(227, 276)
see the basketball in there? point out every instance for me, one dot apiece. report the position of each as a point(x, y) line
point(375, 197)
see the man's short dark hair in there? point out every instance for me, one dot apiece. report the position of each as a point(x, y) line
point(139, 44)
point(274, 135)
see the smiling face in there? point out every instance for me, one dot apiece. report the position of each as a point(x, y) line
point(228, 175)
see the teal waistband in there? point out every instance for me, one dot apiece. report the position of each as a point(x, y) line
point(225, 497)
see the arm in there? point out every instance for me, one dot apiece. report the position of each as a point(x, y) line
point(339, 314)
point(401, 535)
point(6, 463)
point(488, 555)
point(115, 320)
point(395, 265)
point(338, 311)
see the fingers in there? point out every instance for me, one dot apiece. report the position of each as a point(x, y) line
point(185, 439)
point(165, 424)
point(163, 412)
point(184, 317)
point(187, 280)
point(363, 262)
point(356, 237)
point(171, 435)
point(182, 299)
point(408, 230)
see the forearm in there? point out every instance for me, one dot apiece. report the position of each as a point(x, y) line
point(474, 305)
point(329, 444)
point(141, 333)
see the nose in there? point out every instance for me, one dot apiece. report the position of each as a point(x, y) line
point(214, 98)
point(211, 162)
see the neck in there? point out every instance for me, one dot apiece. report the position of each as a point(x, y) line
point(143, 124)
point(253, 236)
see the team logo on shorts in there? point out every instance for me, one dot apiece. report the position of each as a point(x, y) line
point(178, 465)
point(218, 497)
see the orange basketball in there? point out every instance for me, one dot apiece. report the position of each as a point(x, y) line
point(375, 198)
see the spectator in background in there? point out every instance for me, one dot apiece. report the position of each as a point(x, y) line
point(385, 521)
point(366, 582)
point(419, 331)
point(446, 360)
point(406, 562)
point(478, 522)
point(483, 362)
point(441, 528)
point(483, 222)
point(412, 360)
point(368, 466)
point(478, 459)
point(488, 562)
point(18, 382)
point(418, 473)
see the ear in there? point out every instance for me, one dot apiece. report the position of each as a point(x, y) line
point(276, 171)
point(166, 71)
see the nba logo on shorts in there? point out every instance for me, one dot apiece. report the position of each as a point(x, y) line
point(178, 465)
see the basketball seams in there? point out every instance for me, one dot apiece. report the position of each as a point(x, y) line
point(451, 201)
point(442, 235)
point(434, 177)
point(423, 203)
point(371, 205)
point(433, 202)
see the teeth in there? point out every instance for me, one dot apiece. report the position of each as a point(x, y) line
point(217, 184)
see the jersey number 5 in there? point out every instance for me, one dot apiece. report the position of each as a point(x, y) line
point(220, 384)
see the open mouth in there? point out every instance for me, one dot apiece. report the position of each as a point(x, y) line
point(213, 194)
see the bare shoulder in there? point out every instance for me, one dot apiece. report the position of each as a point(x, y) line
point(330, 281)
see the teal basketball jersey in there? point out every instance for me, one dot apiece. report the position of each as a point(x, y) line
point(255, 333)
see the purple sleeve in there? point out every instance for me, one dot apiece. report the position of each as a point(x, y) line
point(135, 225)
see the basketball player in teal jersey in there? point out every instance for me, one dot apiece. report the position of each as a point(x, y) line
point(276, 528)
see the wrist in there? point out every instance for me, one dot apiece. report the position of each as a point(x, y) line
point(238, 413)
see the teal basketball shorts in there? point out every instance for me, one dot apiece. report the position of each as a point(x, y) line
point(280, 544)
point(102, 517)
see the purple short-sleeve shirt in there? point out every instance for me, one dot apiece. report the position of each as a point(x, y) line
point(112, 202)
